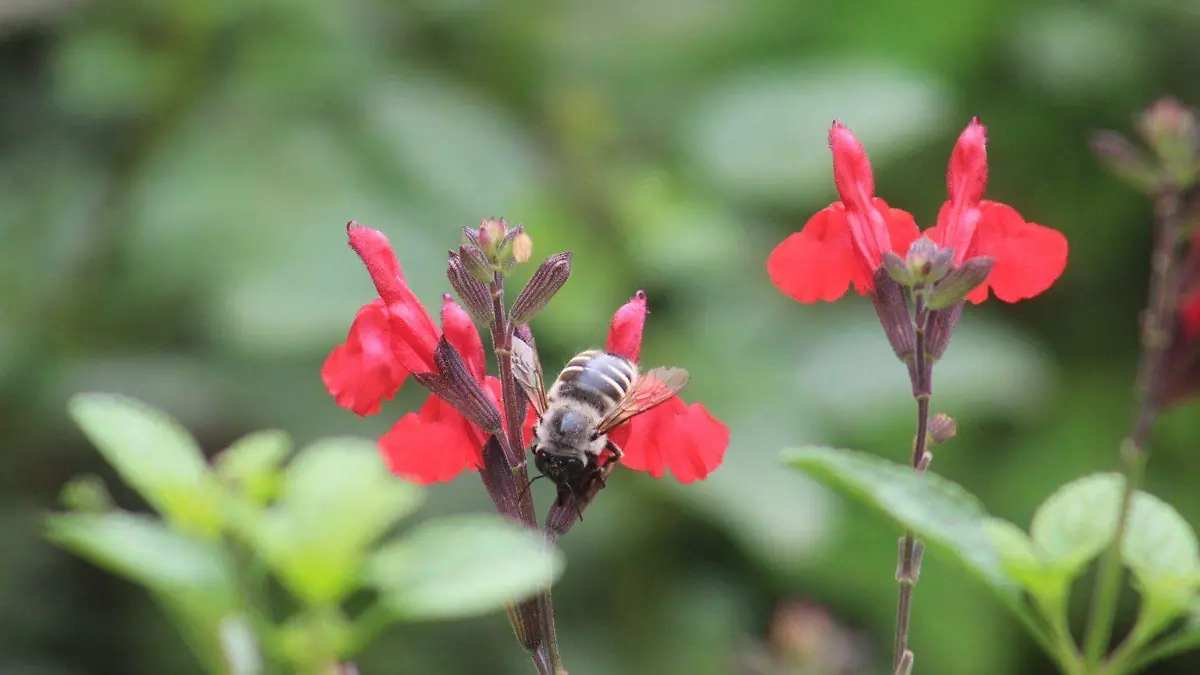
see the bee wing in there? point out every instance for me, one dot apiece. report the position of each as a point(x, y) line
point(651, 389)
point(528, 372)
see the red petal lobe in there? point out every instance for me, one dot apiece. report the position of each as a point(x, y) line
point(683, 438)
point(818, 262)
point(625, 331)
point(433, 445)
point(1029, 257)
point(364, 372)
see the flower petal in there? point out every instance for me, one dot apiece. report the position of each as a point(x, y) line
point(1189, 315)
point(902, 227)
point(414, 334)
point(818, 262)
point(461, 333)
point(1029, 257)
point(364, 372)
point(625, 331)
point(433, 445)
point(376, 252)
point(683, 438)
point(966, 177)
point(856, 187)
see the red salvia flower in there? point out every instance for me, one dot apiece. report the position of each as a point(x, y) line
point(843, 243)
point(674, 435)
point(392, 337)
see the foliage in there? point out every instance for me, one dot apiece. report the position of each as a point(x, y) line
point(316, 526)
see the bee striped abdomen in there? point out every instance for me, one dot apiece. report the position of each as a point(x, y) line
point(596, 378)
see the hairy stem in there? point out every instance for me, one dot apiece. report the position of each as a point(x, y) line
point(545, 646)
point(1155, 338)
point(909, 565)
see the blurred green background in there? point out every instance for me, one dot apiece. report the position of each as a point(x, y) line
point(177, 175)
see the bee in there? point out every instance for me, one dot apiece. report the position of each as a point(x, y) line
point(596, 392)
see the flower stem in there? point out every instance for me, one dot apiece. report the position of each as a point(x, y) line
point(543, 647)
point(1155, 338)
point(909, 565)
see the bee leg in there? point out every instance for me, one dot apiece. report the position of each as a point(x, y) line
point(617, 454)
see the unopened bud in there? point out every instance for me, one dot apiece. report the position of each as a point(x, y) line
point(491, 234)
point(891, 305)
point(545, 282)
point(522, 246)
point(897, 269)
point(959, 282)
point(1170, 129)
point(942, 428)
point(476, 265)
point(474, 293)
point(1125, 161)
point(86, 494)
point(927, 262)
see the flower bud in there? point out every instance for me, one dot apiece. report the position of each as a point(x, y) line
point(1170, 129)
point(926, 262)
point(522, 246)
point(942, 428)
point(959, 282)
point(491, 233)
point(891, 305)
point(474, 294)
point(86, 494)
point(1125, 161)
point(545, 282)
point(476, 265)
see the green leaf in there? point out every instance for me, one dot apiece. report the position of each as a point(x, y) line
point(154, 455)
point(337, 498)
point(1161, 550)
point(940, 512)
point(192, 572)
point(463, 565)
point(253, 461)
point(1075, 523)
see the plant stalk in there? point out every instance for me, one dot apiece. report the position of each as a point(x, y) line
point(544, 651)
point(909, 565)
point(1155, 339)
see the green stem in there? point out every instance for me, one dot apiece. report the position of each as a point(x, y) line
point(1156, 337)
point(1179, 643)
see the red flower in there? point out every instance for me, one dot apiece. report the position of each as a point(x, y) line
point(674, 435)
point(392, 337)
point(843, 243)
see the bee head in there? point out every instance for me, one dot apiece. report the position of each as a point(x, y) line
point(559, 468)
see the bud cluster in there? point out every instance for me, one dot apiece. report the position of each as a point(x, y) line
point(1171, 134)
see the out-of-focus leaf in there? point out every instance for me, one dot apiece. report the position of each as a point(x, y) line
point(1024, 563)
point(1075, 523)
point(252, 463)
point(1160, 548)
point(240, 646)
point(940, 512)
point(763, 134)
point(106, 73)
point(850, 374)
point(1071, 51)
point(456, 144)
point(249, 212)
point(192, 573)
point(336, 500)
point(155, 455)
point(314, 639)
point(462, 565)
point(777, 517)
